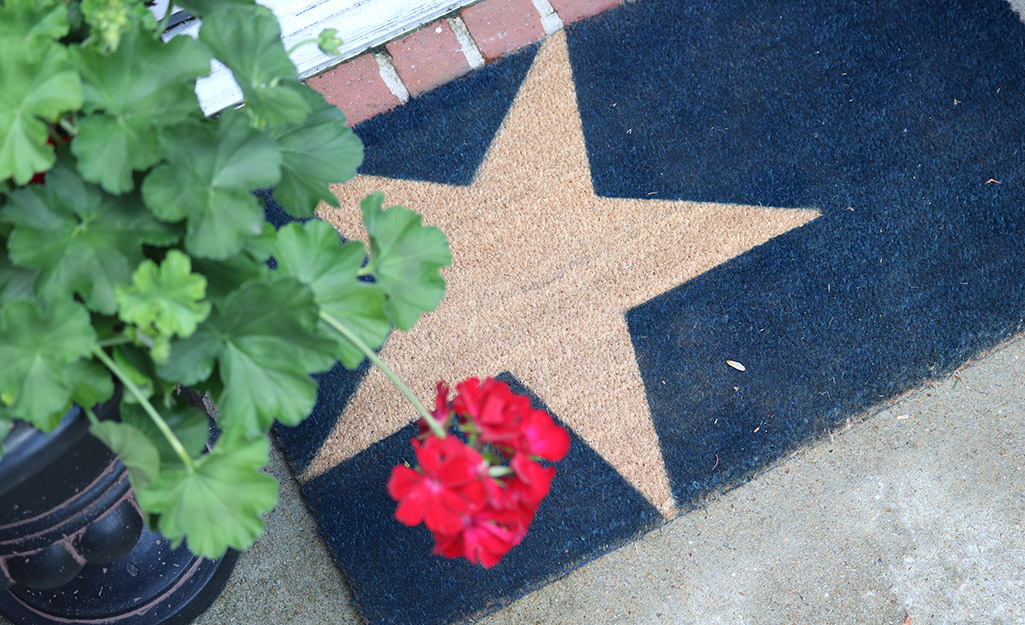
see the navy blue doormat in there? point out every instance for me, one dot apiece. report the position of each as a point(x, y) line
point(901, 123)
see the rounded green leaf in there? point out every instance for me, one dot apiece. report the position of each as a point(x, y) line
point(221, 504)
point(264, 338)
point(247, 39)
point(36, 348)
point(166, 300)
point(209, 179)
point(316, 152)
point(79, 239)
point(37, 84)
point(406, 258)
point(31, 19)
point(312, 254)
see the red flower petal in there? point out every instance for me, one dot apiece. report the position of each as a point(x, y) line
point(542, 437)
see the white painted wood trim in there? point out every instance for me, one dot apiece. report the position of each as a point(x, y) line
point(361, 24)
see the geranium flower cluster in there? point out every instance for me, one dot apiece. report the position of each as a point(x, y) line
point(478, 491)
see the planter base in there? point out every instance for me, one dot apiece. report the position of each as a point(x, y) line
point(152, 585)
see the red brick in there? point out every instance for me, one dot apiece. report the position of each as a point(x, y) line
point(570, 11)
point(428, 58)
point(357, 88)
point(500, 26)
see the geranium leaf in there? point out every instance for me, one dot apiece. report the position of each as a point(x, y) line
point(209, 179)
point(78, 238)
point(37, 84)
point(405, 260)
point(36, 347)
point(248, 40)
point(14, 281)
point(225, 276)
point(315, 152)
point(90, 381)
point(144, 85)
point(164, 301)
point(311, 253)
point(265, 341)
point(108, 149)
point(28, 19)
point(218, 505)
point(132, 447)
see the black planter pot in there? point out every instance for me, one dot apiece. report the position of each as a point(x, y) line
point(73, 545)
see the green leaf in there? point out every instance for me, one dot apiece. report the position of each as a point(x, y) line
point(190, 426)
point(261, 247)
point(221, 504)
point(311, 253)
point(132, 447)
point(226, 276)
point(15, 281)
point(209, 178)
point(164, 301)
point(36, 347)
point(265, 341)
point(248, 40)
point(315, 152)
point(405, 259)
point(91, 383)
point(30, 19)
point(145, 85)
point(80, 239)
point(37, 84)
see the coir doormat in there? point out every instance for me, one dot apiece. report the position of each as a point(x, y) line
point(700, 234)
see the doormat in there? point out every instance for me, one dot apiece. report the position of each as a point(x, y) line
point(700, 235)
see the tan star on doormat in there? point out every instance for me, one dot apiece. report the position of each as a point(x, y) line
point(543, 274)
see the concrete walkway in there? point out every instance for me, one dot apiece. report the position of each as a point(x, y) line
point(914, 512)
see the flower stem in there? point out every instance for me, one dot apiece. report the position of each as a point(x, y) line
point(299, 45)
point(68, 126)
point(432, 423)
point(91, 415)
point(114, 341)
point(165, 429)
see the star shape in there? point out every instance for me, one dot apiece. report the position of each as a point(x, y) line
point(543, 274)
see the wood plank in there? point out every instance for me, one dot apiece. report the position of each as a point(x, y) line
point(361, 24)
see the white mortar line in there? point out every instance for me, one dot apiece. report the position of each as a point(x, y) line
point(470, 51)
point(391, 77)
point(550, 20)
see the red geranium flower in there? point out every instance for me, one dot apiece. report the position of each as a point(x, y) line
point(486, 536)
point(471, 512)
point(446, 486)
point(492, 408)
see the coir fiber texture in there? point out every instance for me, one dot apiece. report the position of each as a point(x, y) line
point(828, 193)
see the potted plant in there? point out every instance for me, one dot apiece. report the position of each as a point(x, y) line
point(140, 287)
point(137, 273)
